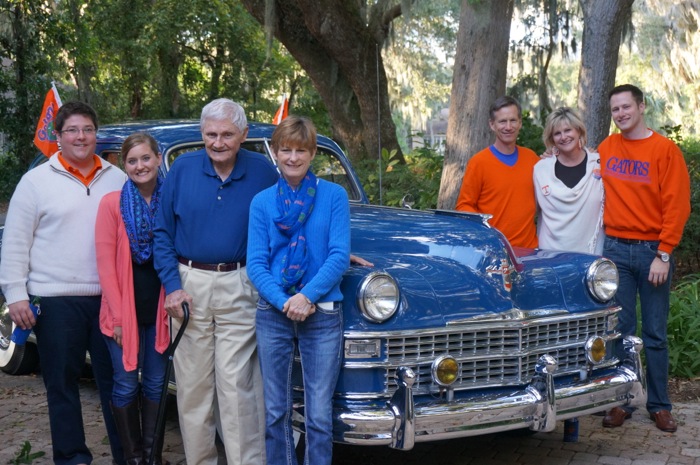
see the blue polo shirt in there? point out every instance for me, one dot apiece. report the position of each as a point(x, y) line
point(203, 218)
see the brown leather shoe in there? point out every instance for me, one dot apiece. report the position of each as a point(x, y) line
point(664, 421)
point(615, 417)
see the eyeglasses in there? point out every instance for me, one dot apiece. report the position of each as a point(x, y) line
point(76, 131)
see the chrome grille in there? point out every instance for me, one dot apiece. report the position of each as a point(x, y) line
point(505, 353)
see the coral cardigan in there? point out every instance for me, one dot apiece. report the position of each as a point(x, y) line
point(117, 281)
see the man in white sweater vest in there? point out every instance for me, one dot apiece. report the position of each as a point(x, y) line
point(48, 251)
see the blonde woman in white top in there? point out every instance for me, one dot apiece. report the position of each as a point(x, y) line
point(569, 188)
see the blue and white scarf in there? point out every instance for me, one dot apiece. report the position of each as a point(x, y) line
point(294, 209)
point(139, 218)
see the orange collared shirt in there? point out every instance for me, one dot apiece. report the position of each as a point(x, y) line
point(76, 172)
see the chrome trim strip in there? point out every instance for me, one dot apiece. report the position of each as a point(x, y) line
point(477, 324)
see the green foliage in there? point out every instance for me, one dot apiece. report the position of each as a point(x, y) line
point(25, 455)
point(684, 328)
point(26, 30)
point(687, 254)
point(531, 134)
point(673, 132)
point(419, 177)
point(12, 171)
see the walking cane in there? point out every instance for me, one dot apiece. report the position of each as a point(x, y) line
point(160, 419)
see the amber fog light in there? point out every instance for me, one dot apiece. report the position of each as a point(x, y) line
point(445, 370)
point(595, 349)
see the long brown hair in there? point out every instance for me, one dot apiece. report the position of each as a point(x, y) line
point(138, 138)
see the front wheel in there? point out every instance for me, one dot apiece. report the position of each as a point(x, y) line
point(14, 359)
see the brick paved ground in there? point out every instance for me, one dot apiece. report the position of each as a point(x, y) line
point(23, 417)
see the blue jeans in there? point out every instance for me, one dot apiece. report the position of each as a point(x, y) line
point(152, 364)
point(65, 330)
point(633, 262)
point(319, 339)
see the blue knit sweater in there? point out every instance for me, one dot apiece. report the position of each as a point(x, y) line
point(327, 239)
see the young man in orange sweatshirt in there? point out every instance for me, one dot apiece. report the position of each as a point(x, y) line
point(498, 179)
point(647, 203)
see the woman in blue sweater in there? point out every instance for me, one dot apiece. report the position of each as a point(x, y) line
point(298, 250)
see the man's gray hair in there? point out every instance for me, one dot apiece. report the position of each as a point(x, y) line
point(224, 109)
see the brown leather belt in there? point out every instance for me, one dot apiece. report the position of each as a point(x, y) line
point(220, 267)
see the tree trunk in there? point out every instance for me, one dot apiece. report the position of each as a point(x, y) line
point(479, 78)
point(21, 71)
point(170, 59)
point(602, 33)
point(83, 67)
point(217, 68)
point(340, 50)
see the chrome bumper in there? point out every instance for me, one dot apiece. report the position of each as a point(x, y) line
point(538, 406)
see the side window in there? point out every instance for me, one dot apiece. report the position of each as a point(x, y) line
point(179, 150)
point(114, 157)
point(256, 146)
point(327, 166)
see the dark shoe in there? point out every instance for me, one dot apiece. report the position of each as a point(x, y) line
point(664, 421)
point(152, 439)
point(129, 429)
point(615, 417)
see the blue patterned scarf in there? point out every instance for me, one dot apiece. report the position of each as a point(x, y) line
point(294, 209)
point(139, 218)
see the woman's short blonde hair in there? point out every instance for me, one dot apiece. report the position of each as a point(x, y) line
point(294, 131)
point(559, 116)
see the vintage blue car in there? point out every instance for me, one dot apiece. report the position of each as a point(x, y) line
point(452, 332)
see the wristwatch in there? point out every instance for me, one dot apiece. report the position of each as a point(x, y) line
point(663, 256)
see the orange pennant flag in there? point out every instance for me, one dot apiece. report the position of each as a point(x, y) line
point(44, 137)
point(282, 111)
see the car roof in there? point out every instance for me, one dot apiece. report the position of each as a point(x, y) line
point(187, 131)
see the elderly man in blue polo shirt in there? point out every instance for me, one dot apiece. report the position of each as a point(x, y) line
point(200, 254)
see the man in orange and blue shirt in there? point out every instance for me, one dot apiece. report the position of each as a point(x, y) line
point(498, 179)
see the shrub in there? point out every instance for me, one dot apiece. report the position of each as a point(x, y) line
point(419, 178)
point(12, 171)
point(687, 254)
point(530, 135)
point(684, 328)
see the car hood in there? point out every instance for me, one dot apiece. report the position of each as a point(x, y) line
point(449, 265)
point(452, 267)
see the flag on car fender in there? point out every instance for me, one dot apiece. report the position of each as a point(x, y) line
point(282, 111)
point(44, 137)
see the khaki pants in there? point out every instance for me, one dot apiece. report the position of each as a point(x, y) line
point(216, 366)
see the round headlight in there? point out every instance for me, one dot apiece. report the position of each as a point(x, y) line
point(378, 297)
point(602, 279)
point(445, 370)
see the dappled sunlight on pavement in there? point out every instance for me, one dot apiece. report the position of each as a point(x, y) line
point(23, 417)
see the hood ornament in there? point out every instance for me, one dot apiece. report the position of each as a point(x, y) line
point(506, 270)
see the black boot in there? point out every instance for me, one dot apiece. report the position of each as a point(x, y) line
point(129, 429)
point(152, 440)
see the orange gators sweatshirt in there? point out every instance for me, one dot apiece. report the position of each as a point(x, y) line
point(506, 192)
point(647, 189)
